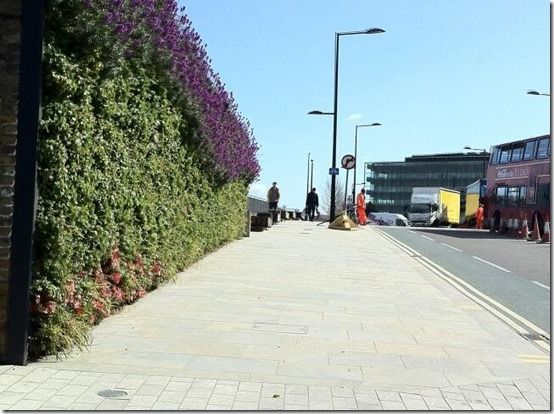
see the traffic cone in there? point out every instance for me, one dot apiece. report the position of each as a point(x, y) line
point(546, 232)
point(536, 235)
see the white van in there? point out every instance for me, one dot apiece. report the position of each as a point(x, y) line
point(388, 219)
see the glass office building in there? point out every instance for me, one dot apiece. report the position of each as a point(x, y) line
point(389, 184)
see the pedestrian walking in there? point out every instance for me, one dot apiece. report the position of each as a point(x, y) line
point(360, 207)
point(312, 203)
point(479, 217)
point(273, 196)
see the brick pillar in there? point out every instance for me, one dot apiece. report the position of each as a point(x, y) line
point(20, 91)
point(10, 43)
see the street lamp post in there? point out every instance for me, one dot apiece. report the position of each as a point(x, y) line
point(375, 30)
point(356, 154)
point(312, 175)
point(308, 175)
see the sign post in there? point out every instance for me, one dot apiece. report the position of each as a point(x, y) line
point(348, 162)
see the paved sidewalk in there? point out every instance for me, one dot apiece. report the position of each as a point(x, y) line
point(298, 317)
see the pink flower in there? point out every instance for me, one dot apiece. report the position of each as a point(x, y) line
point(116, 278)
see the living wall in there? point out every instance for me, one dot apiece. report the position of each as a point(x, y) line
point(144, 162)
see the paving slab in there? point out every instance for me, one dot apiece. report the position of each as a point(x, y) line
point(298, 317)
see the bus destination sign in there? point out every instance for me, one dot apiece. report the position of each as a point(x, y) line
point(512, 172)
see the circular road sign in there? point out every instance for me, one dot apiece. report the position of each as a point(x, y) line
point(348, 162)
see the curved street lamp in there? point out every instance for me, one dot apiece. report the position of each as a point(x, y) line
point(467, 147)
point(356, 155)
point(319, 113)
point(474, 149)
point(533, 92)
point(373, 30)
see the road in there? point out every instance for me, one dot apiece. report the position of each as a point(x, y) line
point(513, 272)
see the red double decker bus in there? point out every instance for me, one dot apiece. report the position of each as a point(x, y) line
point(518, 183)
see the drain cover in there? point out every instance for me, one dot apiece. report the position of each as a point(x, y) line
point(112, 393)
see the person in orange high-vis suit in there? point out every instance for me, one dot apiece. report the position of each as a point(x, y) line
point(479, 217)
point(360, 208)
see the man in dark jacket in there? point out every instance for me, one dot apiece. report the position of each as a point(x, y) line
point(312, 203)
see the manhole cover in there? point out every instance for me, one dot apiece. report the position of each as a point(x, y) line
point(112, 393)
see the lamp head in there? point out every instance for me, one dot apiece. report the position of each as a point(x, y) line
point(374, 30)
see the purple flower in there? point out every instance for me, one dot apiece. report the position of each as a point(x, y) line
point(156, 29)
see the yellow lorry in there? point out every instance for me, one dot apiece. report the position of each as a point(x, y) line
point(432, 206)
point(475, 194)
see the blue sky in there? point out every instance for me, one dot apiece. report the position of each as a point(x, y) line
point(445, 74)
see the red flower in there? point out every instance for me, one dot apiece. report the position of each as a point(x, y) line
point(78, 307)
point(44, 305)
point(116, 278)
point(157, 268)
point(100, 307)
point(117, 294)
point(49, 307)
point(116, 255)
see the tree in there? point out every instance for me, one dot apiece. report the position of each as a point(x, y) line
point(339, 198)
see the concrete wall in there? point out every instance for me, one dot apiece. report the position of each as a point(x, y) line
point(10, 42)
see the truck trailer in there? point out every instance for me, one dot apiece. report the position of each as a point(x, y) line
point(475, 195)
point(433, 206)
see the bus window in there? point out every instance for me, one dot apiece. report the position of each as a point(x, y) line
point(543, 150)
point(494, 156)
point(513, 196)
point(529, 152)
point(505, 155)
point(522, 196)
point(501, 193)
point(517, 153)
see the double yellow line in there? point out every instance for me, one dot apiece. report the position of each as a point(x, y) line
point(521, 325)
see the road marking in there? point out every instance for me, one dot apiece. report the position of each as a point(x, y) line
point(541, 285)
point(496, 308)
point(428, 238)
point(452, 247)
point(492, 264)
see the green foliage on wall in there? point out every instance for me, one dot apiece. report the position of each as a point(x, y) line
point(125, 199)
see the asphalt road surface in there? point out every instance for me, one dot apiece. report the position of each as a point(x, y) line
point(513, 272)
